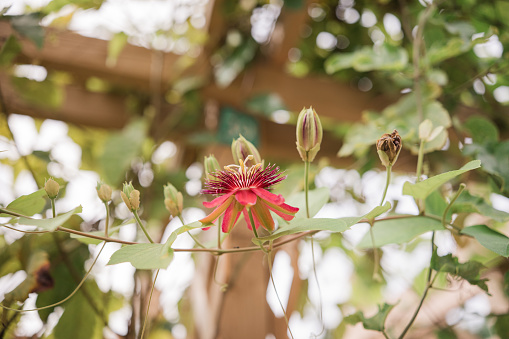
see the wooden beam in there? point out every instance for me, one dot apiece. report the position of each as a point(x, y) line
point(78, 107)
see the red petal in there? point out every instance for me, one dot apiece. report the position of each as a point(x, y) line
point(231, 216)
point(246, 197)
point(217, 201)
point(218, 211)
point(270, 197)
point(285, 211)
point(262, 213)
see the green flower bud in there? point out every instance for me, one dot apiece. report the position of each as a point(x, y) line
point(426, 131)
point(173, 200)
point(130, 196)
point(51, 187)
point(242, 148)
point(104, 192)
point(211, 165)
point(388, 148)
point(309, 134)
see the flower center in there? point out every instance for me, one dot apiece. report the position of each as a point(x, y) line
point(242, 169)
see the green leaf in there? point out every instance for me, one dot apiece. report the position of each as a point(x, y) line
point(9, 51)
point(375, 323)
point(143, 256)
point(489, 238)
point(317, 199)
point(422, 189)
point(47, 93)
point(501, 326)
point(79, 320)
point(375, 212)
point(474, 204)
point(28, 26)
point(398, 231)
point(314, 224)
point(266, 103)
point(481, 129)
point(470, 270)
point(50, 224)
point(173, 236)
point(383, 58)
point(453, 47)
point(436, 205)
point(27, 204)
point(120, 149)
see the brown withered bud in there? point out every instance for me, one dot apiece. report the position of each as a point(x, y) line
point(43, 279)
point(388, 148)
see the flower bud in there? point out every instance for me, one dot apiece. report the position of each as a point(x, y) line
point(173, 200)
point(309, 134)
point(388, 148)
point(51, 187)
point(241, 148)
point(104, 192)
point(426, 131)
point(211, 165)
point(130, 196)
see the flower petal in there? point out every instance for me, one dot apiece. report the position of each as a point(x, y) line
point(246, 197)
point(262, 213)
point(217, 201)
point(231, 216)
point(218, 211)
point(270, 197)
point(285, 211)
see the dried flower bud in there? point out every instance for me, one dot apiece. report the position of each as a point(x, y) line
point(388, 148)
point(51, 187)
point(242, 148)
point(173, 200)
point(211, 165)
point(104, 192)
point(309, 134)
point(130, 196)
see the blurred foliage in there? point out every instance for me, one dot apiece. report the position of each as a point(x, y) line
point(446, 62)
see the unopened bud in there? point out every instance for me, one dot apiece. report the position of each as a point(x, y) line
point(309, 134)
point(51, 187)
point(104, 192)
point(242, 148)
point(426, 131)
point(388, 148)
point(130, 196)
point(173, 200)
point(211, 165)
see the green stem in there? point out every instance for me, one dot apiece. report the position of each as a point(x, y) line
point(107, 221)
point(387, 182)
point(65, 299)
point(148, 306)
point(53, 207)
point(269, 260)
point(306, 186)
point(420, 158)
point(197, 242)
point(219, 232)
point(444, 216)
point(141, 225)
point(376, 259)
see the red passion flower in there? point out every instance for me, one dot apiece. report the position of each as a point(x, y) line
point(245, 189)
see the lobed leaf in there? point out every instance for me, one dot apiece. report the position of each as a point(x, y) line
point(143, 256)
point(489, 238)
point(398, 231)
point(50, 224)
point(423, 189)
point(375, 323)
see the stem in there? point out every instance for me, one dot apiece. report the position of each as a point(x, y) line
point(376, 259)
point(269, 260)
point(420, 158)
point(387, 182)
point(148, 306)
point(306, 186)
point(65, 299)
point(460, 189)
point(107, 221)
point(219, 232)
point(141, 225)
point(197, 242)
point(53, 207)
point(318, 286)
